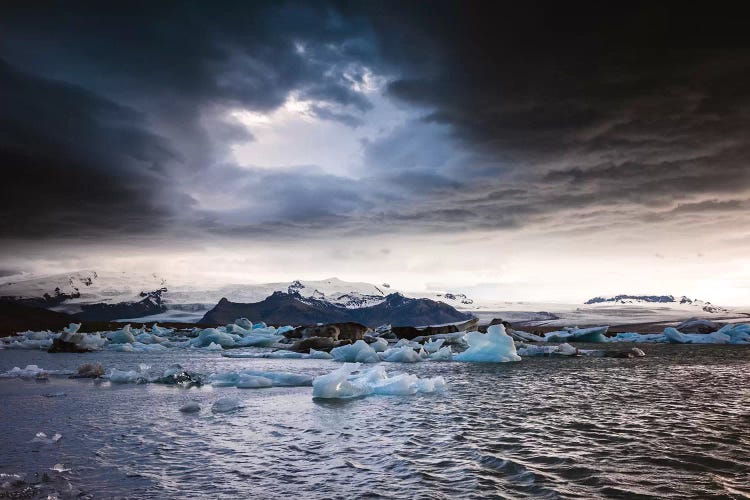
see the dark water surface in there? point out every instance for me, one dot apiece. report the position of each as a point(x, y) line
point(674, 424)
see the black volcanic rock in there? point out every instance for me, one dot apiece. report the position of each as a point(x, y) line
point(151, 304)
point(17, 317)
point(284, 308)
point(659, 299)
point(277, 309)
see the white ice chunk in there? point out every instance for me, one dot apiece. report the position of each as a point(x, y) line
point(495, 346)
point(212, 335)
point(122, 336)
point(253, 382)
point(358, 352)
point(214, 347)
point(125, 376)
point(380, 345)
point(442, 354)
point(594, 334)
point(319, 354)
point(404, 354)
point(42, 438)
point(432, 346)
point(344, 383)
point(31, 371)
point(676, 337)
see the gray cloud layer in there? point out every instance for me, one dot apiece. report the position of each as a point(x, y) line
point(111, 115)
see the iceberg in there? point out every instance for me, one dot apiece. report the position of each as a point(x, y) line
point(122, 336)
point(358, 352)
point(739, 333)
point(639, 337)
point(344, 383)
point(213, 336)
point(442, 354)
point(432, 346)
point(278, 379)
point(594, 334)
point(404, 354)
point(547, 350)
point(676, 337)
point(253, 382)
point(319, 354)
point(380, 345)
point(495, 346)
point(31, 371)
point(126, 376)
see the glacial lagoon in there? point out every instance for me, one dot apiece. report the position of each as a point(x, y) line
point(675, 423)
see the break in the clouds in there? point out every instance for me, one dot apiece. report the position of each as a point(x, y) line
point(542, 126)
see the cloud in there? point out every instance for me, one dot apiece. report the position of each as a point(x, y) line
point(557, 120)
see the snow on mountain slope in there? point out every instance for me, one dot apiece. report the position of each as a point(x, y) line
point(333, 290)
point(68, 291)
point(647, 299)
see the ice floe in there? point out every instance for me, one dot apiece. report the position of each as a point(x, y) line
point(594, 334)
point(495, 346)
point(358, 352)
point(42, 438)
point(31, 371)
point(403, 354)
point(348, 382)
point(280, 379)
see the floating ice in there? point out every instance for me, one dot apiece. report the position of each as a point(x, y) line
point(358, 352)
point(244, 323)
point(253, 382)
point(380, 345)
point(432, 346)
point(442, 354)
point(739, 333)
point(639, 337)
point(320, 354)
point(126, 376)
point(404, 354)
point(213, 336)
point(344, 383)
point(225, 405)
point(495, 346)
point(281, 379)
point(547, 350)
point(42, 438)
point(676, 337)
point(122, 336)
point(214, 347)
point(594, 334)
point(31, 371)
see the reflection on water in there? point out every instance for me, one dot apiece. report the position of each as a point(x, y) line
point(673, 424)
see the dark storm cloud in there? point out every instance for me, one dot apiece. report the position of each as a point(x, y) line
point(527, 114)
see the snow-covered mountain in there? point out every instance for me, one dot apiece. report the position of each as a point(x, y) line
point(68, 292)
point(342, 293)
point(645, 299)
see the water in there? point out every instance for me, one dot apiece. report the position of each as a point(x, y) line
point(673, 424)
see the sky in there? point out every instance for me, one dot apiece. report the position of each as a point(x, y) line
point(535, 151)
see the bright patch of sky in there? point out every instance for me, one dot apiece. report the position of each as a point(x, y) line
point(294, 134)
